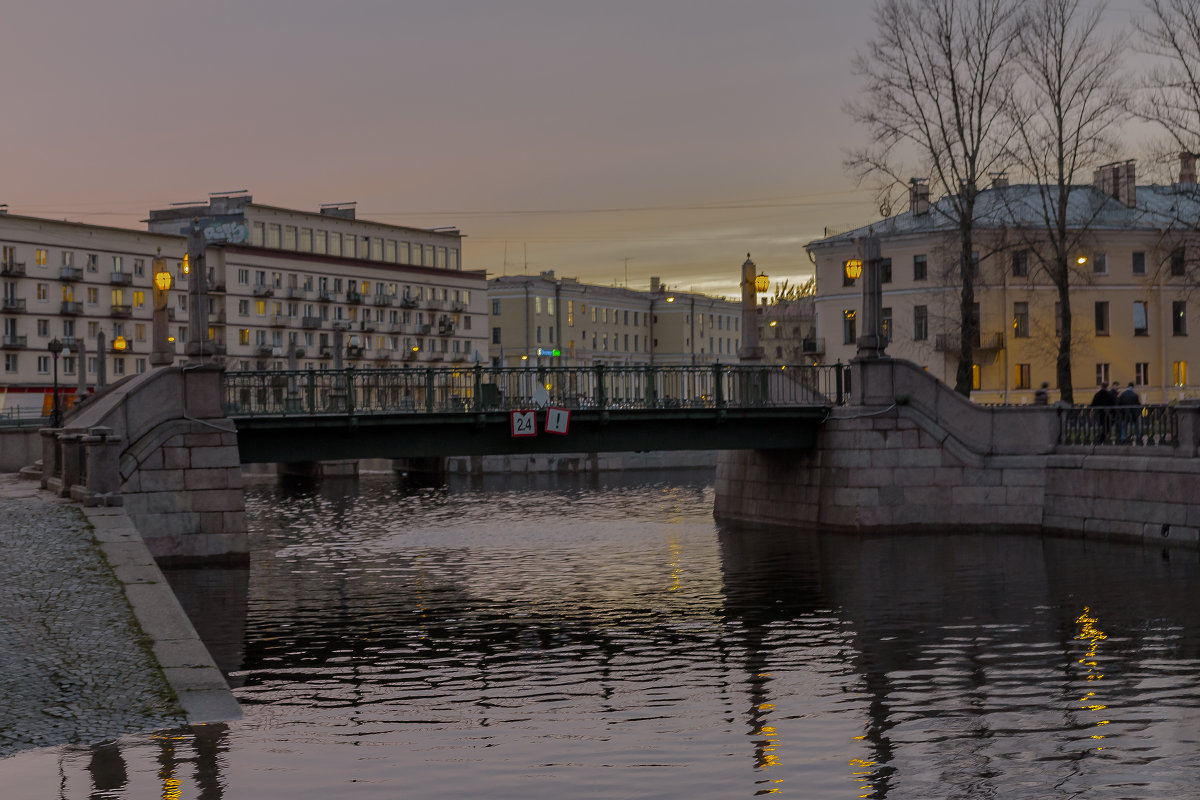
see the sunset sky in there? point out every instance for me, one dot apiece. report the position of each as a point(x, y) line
point(677, 134)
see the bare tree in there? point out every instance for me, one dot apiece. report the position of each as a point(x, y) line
point(939, 78)
point(1066, 110)
point(1171, 95)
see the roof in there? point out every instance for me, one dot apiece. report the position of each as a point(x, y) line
point(1020, 206)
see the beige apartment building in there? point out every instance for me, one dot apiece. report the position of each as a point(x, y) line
point(555, 321)
point(1132, 296)
point(280, 281)
point(283, 280)
point(70, 282)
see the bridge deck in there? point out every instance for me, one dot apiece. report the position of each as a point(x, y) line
point(400, 413)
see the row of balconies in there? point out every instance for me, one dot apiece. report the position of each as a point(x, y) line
point(357, 352)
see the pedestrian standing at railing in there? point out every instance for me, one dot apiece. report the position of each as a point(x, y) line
point(1127, 416)
point(1102, 400)
point(1041, 396)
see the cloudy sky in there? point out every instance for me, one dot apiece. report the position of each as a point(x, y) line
point(656, 137)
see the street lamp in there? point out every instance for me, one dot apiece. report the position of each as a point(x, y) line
point(55, 347)
point(163, 352)
point(854, 267)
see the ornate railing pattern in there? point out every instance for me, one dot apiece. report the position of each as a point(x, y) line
point(1134, 426)
point(478, 389)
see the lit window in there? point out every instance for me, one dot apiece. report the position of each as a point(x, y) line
point(1179, 373)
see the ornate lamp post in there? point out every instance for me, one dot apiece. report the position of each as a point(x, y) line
point(55, 347)
point(162, 353)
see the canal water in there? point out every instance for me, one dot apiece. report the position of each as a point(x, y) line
point(601, 637)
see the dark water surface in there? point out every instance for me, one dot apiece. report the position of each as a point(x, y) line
point(602, 638)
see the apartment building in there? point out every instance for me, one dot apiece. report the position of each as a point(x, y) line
point(1132, 296)
point(282, 284)
point(70, 282)
point(549, 320)
point(284, 281)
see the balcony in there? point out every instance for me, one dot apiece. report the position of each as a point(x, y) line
point(70, 308)
point(69, 342)
point(262, 290)
point(217, 286)
point(280, 320)
point(121, 279)
point(424, 330)
point(326, 352)
point(324, 296)
point(354, 298)
point(12, 269)
point(13, 305)
point(310, 322)
point(264, 351)
point(341, 325)
point(458, 305)
point(121, 310)
point(411, 355)
point(813, 347)
point(446, 329)
point(14, 342)
point(408, 302)
point(433, 304)
point(383, 355)
point(70, 274)
point(295, 293)
point(354, 352)
point(382, 300)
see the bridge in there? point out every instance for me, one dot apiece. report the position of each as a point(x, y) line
point(318, 415)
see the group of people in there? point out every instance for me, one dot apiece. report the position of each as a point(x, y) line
point(1114, 396)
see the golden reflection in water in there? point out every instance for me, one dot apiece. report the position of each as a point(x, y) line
point(766, 736)
point(675, 549)
point(1089, 632)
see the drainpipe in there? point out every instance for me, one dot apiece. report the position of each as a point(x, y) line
point(527, 319)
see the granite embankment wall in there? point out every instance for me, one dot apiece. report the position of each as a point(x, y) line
point(910, 454)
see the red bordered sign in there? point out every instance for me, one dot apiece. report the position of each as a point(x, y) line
point(523, 423)
point(558, 420)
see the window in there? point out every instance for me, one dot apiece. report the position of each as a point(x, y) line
point(118, 366)
point(43, 292)
point(1141, 373)
point(289, 237)
point(1102, 318)
point(1020, 264)
point(274, 238)
point(885, 270)
point(39, 257)
point(68, 258)
point(43, 327)
point(849, 328)
point(1179, 318)
point(1178, 264)
point(1021, 320)
point(1102, 374)
point(1141, 325)
point(335, 244)
point(43, 365)
point(1139, 263)
point(10, 362)
point(537, 305)
point(495, 307)
point(139, 332)
point(920, 323)
point(1022, 376)
point(93, 295)
point(139, 267)
point(1100, 264)
point(306, 240)
point(258, 234)
point(495, 336)
point(1179, 373)
point(885, 323)
point(139, 298)
point(920, 268)
point(243, 336)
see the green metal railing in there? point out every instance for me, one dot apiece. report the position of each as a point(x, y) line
point(479, 389)
point(1134, 426)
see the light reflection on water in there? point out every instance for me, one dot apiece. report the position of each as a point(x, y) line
point(600, 638)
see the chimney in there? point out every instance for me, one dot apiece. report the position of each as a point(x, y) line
point(918, 196)
point(1118, 181)
point(655, 285)
point(1187, 167)
point(999, 179)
